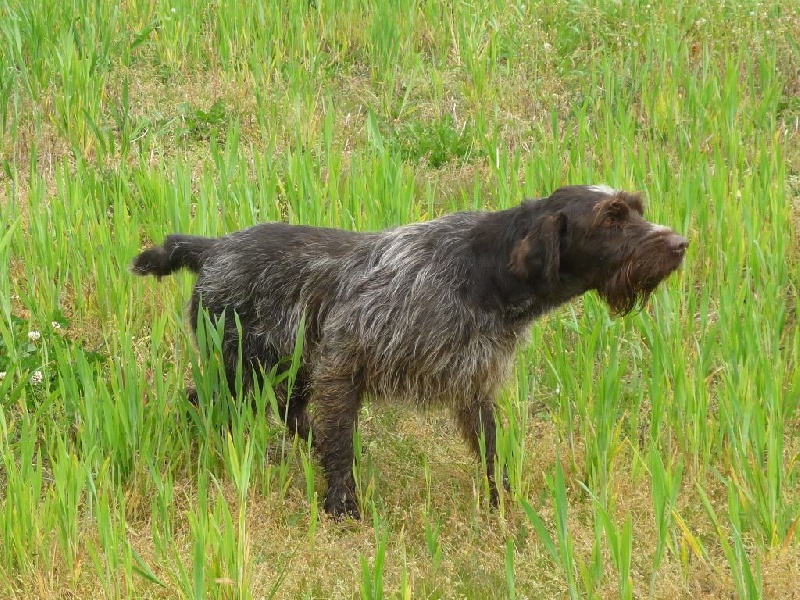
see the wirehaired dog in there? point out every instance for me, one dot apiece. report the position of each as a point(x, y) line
point(430, 312)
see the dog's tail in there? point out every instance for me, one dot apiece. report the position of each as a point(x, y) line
point(177, 252)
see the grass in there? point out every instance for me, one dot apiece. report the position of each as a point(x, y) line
point(650, 456)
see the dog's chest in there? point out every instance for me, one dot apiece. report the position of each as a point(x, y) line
point(450, 375)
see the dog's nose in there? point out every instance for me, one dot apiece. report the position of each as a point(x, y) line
point(677, 243)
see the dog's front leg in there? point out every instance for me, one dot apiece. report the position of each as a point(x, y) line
point(478, 421)
point(336, 402)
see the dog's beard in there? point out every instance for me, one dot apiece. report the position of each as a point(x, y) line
point(624, 295)
point(631, 286)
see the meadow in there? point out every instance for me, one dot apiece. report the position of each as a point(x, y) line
point(650, 456)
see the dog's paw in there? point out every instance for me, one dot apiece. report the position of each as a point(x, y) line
point(494, 497)
point(494, 492)
point(191, 396)
point(340, 506)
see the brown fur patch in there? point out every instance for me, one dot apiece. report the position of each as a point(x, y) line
point(518, 255)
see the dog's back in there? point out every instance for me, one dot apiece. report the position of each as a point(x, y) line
point(258, 273)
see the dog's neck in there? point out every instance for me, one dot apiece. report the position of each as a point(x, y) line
point(526, 307)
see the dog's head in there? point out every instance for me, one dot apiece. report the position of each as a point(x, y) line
point(594, 237)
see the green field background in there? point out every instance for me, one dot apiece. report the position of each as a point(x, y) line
point(650, 456)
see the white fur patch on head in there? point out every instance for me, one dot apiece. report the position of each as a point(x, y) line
point(602, 189)
point(655, 228)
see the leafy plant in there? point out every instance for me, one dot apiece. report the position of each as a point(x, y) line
point(437, 142)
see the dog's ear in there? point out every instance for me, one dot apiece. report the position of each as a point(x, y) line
point(633, 200)
point(519, 257)
point(553, 231)
point(537, 254)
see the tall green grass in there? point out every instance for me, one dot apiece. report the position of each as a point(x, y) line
point(647, 456)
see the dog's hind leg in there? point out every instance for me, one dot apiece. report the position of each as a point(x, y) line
point(336, 403)
point(294, 412)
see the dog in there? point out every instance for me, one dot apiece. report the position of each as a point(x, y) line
point(430, 313)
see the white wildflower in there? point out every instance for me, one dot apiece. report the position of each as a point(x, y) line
point(547, 47)
point(37, 377)
point(55, 325)
point(34, 335)
point(2, 375)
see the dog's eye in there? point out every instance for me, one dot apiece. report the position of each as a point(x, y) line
point(615, 214)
